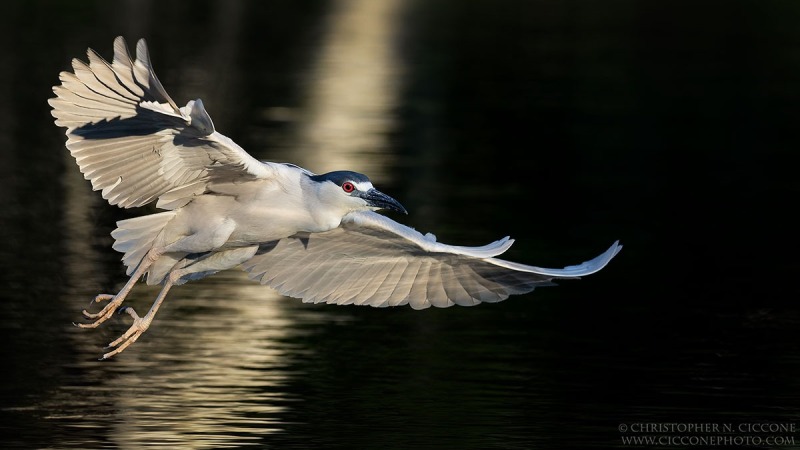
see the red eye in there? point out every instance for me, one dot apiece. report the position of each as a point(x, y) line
point(348, 187)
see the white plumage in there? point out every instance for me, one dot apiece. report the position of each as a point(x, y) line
point(310, 236)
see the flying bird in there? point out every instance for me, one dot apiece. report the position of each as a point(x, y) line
point(312, 236)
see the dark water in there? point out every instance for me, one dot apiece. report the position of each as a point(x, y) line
point(566, 124)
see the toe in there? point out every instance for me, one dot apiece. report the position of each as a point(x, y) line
point(103, 297)
point(123, 342)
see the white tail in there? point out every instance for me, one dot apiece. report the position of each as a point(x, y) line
point(135, 237)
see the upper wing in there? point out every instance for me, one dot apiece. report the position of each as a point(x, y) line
point(133, 142)
point(373, 260)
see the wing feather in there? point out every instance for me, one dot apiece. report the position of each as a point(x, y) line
point(454, 289)
point(134, 143)
point(417, 296)
point(371, 278)
point(90, 76)
point(489, 290)
point(300, 278)
point(351, 285)
point(106, 75)
point(381, 297)
point(376, 276)
point(373, 260)
point(402, 290)
point(318, 268)
point(436, 293)
point(328, 283)
point(466, 277)
point(122, 65)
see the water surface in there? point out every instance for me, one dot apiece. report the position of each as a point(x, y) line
point(668, 126)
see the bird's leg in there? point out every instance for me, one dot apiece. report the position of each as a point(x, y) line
point(211, 262)
point(141, 324)
point(116, 300)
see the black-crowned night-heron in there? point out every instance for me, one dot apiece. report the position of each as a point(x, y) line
point(310, 236)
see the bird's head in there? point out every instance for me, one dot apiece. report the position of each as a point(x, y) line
point(352, 191)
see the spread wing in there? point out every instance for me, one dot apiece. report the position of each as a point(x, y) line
point(373, 260)
point(133, 142)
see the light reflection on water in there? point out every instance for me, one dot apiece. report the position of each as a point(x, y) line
point(210, 373)
point(352, 90)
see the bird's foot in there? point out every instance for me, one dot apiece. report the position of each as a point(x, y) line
point(139, 326)
point(104, 314)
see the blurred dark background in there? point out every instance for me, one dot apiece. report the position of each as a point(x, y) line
point(668, 125)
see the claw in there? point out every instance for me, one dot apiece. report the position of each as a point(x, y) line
point(134, 329)
point(129, 337)
point(104, 314)
point(116, 300)
point(124, 345)
point(101, 298)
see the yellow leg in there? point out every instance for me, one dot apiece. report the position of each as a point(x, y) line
point(117, 300)
point(141, 324)
point(217, 261)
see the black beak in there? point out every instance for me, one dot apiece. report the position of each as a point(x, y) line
point(378, 199)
